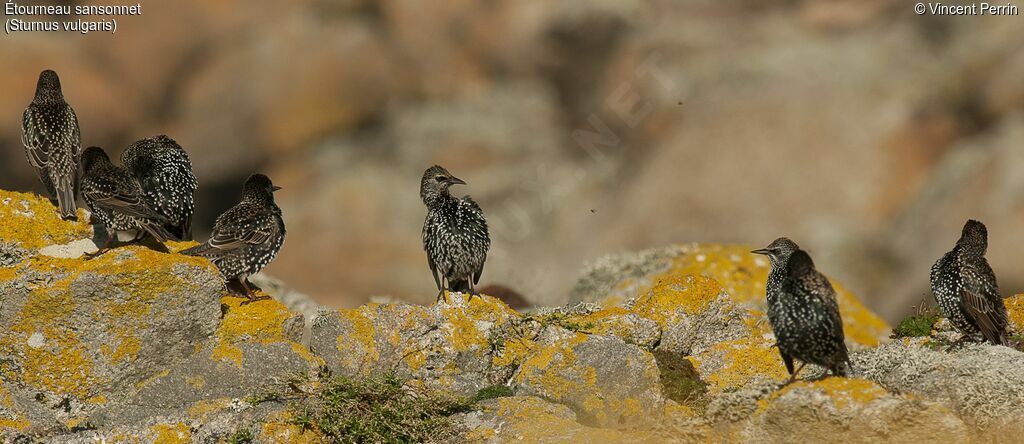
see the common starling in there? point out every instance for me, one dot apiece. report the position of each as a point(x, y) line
point(53, 143)
point(247, 236)
point(803, 311)
point(164, 171)
point(455, 234)
point(965, 287)
point(115, 199)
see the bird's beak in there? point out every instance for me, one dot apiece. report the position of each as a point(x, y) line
point(276, 188)
point(763, 251)
point(455, 181)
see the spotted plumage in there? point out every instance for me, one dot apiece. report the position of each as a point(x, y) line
point(803, 311)
point(248, 236)
point(165, 173)
point(115, 199)
point(965, 287)
point(455, 235)
point(53, 142)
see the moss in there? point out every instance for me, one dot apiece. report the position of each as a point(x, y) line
point(916, 325)
point(680, 381)
point(32, 222)
point(241, 436)
point(377, 409)
point(492, 392)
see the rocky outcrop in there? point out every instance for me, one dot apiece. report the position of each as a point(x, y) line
point(144, 345)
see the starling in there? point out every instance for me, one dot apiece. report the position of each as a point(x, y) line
point(115, 199)
point(53, 143)
point(803, 311)
point(455, 234)
point(164, 171)
point(247, 236)
point(965, 287)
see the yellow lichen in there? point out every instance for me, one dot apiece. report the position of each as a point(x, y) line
point(32, 222)
point(742, 276)
point(361, 334)
point(279, 428)
point(463, 332)
point(554, 369)
point(261, 321)
point(514, 351)
point(1015, 308)
point(744, 359)
point(671, 292)
point(202, 409)
point(172, 433)
point(844, 392)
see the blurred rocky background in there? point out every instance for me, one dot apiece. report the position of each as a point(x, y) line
point(865, 132)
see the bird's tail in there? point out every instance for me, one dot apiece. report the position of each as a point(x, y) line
point(157, 230)
point(202, 249)
point(64, 188)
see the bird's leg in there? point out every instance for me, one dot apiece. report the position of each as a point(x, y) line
point(102, 249)
point(442, 292)
point(248, 291)
point(792, 378)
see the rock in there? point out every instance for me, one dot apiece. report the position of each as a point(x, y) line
point(983, 384)
point(607, 382)
point(81, 333)
point(741, 275)
point(833, 409)
point(446, 346)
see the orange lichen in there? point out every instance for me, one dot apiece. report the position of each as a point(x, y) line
point(261, 321)
point(32, 222)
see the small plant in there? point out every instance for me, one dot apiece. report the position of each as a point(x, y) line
point(494, 391)
point(242, 436)
point(919, 324)
point(260, 398)
point(378, 409)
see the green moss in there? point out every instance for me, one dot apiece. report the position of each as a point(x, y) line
point(680, 382)
point(377, 409)
point(916, 325)
point(492, 392)
point(242, 436)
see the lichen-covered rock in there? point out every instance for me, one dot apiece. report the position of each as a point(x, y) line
point(616, 279)
point(535, 420)
point(80, 333)
point(448, 346)
point(983, 384)
point(29, 222)
point(830, 410)
point(608, 382)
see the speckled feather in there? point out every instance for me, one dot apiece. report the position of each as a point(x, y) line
point(115, 197)
point(248, 236)
point(164, 171)
point(53, 143)
point(455, 235)
point(965, 287)
point(803, 311)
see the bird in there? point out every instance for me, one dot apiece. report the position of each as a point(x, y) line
point(803, 311)
point(248, 236)
point(53, 143)
point(116, 199)
point(455, 235)
point(164, 171)
point(965, 287)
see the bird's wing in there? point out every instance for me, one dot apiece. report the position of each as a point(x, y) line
point(981, 298)
point(118, 199)
point(243, 225)
point(35, 140)
point(818, 285)
point(433, 271)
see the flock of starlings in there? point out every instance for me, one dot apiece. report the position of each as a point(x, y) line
point(153, 194)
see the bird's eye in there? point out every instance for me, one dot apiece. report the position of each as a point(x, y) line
point(440, 178)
